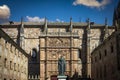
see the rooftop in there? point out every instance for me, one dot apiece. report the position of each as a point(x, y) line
point(51, 23)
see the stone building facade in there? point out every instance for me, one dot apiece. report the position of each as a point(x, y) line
point(106, 59)
point(47, 41)
point(13, 59)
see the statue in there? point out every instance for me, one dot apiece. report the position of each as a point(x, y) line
point(61, 66)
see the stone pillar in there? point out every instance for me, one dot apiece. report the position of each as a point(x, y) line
point(88, 49)
point(42, 58)
point(106, 31)
point(86, 60)
point(45, 26)
point(71, 49)
point(46, 70)
point(71, 26)
point(116, 19)
point(22, 41)
point(84, 53)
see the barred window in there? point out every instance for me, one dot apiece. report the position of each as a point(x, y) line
point(105, 51)
point(99, 55)
point(14, 66)
point(5, 62)
point(95, 59)
point(18, 68)
point(10, 64)
point(112, 48)
point(105, 71)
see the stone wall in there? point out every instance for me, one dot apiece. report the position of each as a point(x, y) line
point(35, 31)
point(105, 59)
point(13, 59)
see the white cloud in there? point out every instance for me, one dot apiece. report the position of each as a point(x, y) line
point(35, 19)
point(4, 12)
point(38, 19)
point(91, 3)
point(58, 20)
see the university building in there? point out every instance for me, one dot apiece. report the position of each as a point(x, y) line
point(46, 41)
point(13, 59)
point(91, 50)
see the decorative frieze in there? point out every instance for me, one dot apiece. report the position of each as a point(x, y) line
point(55, 42)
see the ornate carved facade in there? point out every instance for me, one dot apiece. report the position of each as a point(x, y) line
point(47, 41)
point(51, 48)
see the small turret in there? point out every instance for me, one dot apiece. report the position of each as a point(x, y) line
point(89, 24)
point(116, 17)
point(106, 31)
point(71, 26)
point(106, 22)
point(22, 34)
point(88, 21)
point(45, 26)
point(22, 27)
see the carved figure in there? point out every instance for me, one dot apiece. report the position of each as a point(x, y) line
point(61, 65)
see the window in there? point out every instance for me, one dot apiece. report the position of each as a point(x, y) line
point(100, 73)
point(5, 62)
point(5, 79)
point(18, 67)
point(14, 66)
point(99, 55)
point(79, 53)
point(95, 59)
point(6, 42)
point(112, 48)
point(105, 71)
point(34, 54)
point(67, 29)
point(105, 51)
point(10, 64)
point(97, 73)
point(91, 59)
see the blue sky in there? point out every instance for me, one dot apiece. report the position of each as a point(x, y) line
point(59, 10)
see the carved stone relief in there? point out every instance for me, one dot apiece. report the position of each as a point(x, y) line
point(55, 54)
point(58, 42)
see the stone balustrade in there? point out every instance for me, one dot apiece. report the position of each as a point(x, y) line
point(34, 77)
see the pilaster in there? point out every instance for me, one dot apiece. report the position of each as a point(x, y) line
point(22, 42)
